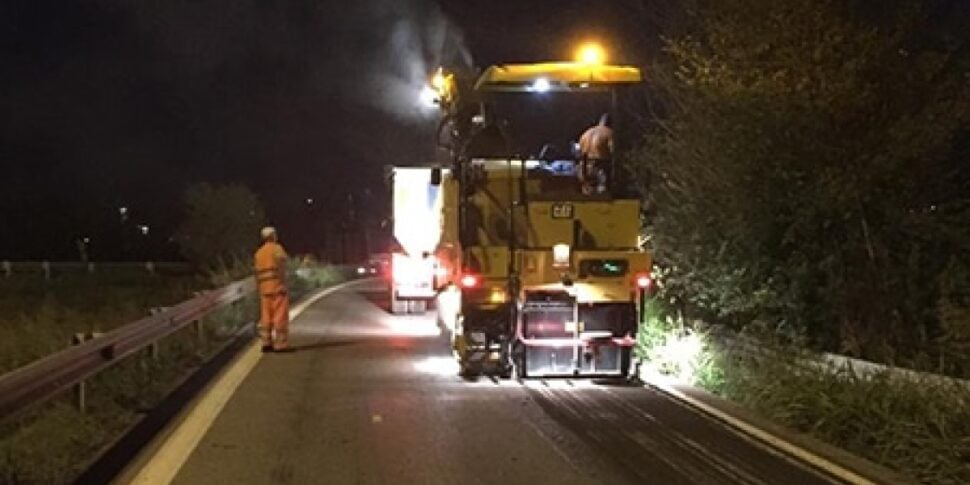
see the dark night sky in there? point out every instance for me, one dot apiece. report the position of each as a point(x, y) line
point(109, 103)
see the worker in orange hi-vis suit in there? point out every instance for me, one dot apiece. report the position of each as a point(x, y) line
point(274, 319)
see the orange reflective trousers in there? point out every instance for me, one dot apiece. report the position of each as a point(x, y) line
point(274, 320)
point(274, 303)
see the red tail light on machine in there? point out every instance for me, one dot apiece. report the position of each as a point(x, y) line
point(643, 281)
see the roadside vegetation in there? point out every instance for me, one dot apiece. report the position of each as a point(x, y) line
point(55, 442)
point(919, 427)
point(41, 316)
point(806, 177)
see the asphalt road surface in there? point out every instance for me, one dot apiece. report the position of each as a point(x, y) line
point(371, 398)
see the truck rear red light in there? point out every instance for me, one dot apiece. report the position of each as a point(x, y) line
point(471, 281)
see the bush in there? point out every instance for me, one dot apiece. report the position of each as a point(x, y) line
point(789, 184)
point(305, 276)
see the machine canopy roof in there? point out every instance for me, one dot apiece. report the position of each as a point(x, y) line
point(561, 76)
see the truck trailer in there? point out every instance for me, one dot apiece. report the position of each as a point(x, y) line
point(417, 221)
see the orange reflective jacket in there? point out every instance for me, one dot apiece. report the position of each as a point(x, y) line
point(271, 269)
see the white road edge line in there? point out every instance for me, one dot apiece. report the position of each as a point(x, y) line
point(798, 452)
point(178, 446)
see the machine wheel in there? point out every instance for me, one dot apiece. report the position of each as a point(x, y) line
point(506, 372)
point(625, 359)
point(398, 307)
point(468, 370)
point(518, 359)
point(418, 306)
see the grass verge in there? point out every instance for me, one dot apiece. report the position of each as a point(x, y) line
point(54, 443)
point(921, 429)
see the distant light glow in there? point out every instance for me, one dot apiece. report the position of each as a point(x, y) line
point(144, 229)
point(361, 270)
point(541, 85)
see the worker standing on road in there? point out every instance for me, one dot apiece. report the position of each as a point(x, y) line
point(595, 155)
point(274, 302)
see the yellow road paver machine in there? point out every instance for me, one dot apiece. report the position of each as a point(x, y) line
point(537, 273)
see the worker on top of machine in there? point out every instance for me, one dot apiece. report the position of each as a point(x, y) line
point(595, 155)
point(274, 302)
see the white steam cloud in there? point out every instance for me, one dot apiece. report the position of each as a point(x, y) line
point(418, 39)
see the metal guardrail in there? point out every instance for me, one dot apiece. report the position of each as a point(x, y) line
point(49, 376)
point(857, 367)
point(46, 268)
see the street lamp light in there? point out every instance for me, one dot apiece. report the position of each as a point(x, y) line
point(591, 53)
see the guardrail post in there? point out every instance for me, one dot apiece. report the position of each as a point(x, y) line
point(7, 269)
point(150, 267)
point(234, 306)
point(91, 268)
point(199, 330)
point(46, 267)
point(153, 350)
point(80, 390)
point(198, 325)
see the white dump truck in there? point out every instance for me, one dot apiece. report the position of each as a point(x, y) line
point(417, 223)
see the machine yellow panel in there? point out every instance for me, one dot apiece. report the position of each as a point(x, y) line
point(585, 224)
point(489, 261)
point(512, 76)
point(613, 224)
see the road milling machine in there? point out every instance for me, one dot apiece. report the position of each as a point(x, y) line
point(535, 273)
